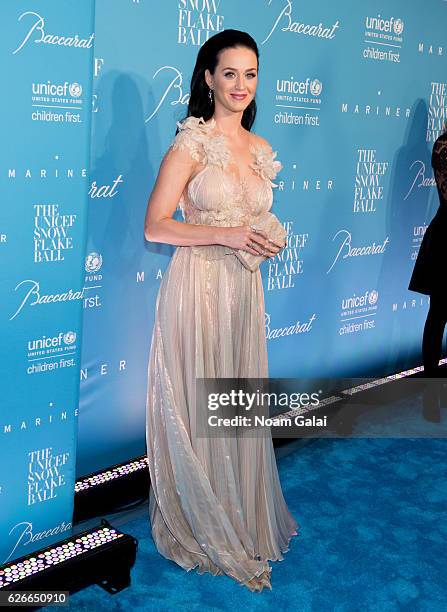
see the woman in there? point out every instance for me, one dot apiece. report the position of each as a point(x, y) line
point(430, 268)
point(215, 503)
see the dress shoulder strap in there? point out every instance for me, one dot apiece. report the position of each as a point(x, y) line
point(196, 136)
point(265, 163)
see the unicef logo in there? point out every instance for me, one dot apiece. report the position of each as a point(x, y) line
point(69, 337)
point(398, 27)
point(316, 87)
point(373, 297)
point(75, 90)
point(93, 262)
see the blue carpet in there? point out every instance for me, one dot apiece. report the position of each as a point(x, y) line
point(373, 532)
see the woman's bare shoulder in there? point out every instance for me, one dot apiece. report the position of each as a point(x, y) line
point(260, 140)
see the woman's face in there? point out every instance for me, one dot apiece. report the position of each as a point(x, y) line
point(235, 78)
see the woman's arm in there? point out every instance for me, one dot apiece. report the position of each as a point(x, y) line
point(176, 168)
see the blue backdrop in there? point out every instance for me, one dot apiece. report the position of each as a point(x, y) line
point(46, 53)
point(351, 96)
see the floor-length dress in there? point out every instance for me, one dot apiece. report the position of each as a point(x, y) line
point(215, 504)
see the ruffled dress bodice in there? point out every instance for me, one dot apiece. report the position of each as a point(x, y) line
point(215, 196)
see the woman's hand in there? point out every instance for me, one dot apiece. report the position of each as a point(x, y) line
point(245, 238)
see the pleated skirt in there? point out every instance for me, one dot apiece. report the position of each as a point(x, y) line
point(215, 504)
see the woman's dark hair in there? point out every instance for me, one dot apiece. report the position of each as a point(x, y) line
point(208, 57)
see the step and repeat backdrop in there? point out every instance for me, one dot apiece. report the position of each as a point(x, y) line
point(351, 96)
point(46, 54)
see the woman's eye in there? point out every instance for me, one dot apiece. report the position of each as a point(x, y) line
point(250, 74)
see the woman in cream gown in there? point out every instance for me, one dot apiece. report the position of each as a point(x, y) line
point(215, 504)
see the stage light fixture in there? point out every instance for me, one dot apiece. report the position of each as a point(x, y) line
point(102, 555)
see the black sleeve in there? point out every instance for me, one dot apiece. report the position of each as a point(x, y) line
point(439, 163)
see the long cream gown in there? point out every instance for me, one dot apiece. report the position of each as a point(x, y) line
point(215, 504)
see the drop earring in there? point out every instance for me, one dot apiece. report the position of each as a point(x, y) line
point(210, 95)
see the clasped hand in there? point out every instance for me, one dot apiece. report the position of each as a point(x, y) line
point(254, 241)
